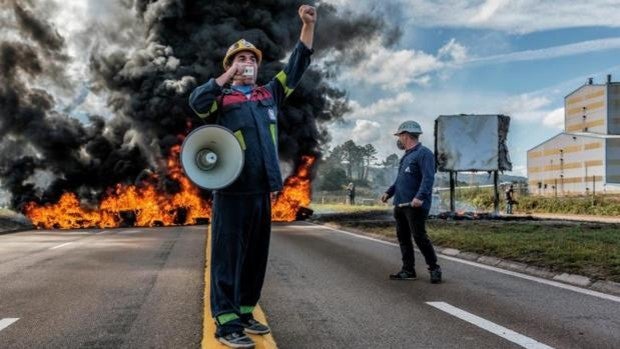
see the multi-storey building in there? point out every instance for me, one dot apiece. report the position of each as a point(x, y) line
point(586, 156)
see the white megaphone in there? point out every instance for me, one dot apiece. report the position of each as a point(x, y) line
point(212, 157)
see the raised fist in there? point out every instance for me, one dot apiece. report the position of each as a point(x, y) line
point(307, 14)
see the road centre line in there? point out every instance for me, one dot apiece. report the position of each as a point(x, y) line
point(517, 338)
point(208, 339)
point(601, 295)
point(4, 323)
point(61, 245)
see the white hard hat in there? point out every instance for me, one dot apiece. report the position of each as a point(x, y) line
point(410, 127)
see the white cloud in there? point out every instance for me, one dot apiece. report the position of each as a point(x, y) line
point(396, 69)
point(519, 170)
point(366, 131)
point(487, 11)
point(555, 118)
point(522, 16)
point(456, 52)
point(383, 107)
point(526, 107)
point(517, 16)
point(551, 52)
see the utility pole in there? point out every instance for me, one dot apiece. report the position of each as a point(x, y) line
point(586, 178)
point(593, 189)
point(562, 171)
point(496, 196)
point(452, 189)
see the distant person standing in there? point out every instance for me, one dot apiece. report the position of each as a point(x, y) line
point(412, 192)
point(510, 199)
point(351, 193)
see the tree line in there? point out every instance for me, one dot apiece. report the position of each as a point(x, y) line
point(349, 162)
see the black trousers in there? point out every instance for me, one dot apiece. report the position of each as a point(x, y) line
point(411, 221)
point(239, 249)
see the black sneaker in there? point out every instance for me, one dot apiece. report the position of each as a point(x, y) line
point(403, 275)
point(252, 326)
point(236, 340)
point(435, 275)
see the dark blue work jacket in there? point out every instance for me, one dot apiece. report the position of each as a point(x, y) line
point(416, 175)
point(254, 121)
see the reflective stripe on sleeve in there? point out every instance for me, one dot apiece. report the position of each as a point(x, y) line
point(204, 115)
point(272, 128)
point(281, 77)
point(239, 135)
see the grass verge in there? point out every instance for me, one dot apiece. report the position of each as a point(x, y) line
point(587, 249)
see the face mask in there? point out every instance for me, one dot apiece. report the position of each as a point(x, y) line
point(400, 145)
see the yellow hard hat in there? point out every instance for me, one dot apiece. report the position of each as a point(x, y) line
point(241, 45)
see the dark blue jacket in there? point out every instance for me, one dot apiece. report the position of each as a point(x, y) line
point(416, 175)
point(254, 122)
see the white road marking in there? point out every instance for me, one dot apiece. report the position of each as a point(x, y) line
point(4, 323)
point(128, 232)
point(61, 245)
point(557, 284)
point(492, 327)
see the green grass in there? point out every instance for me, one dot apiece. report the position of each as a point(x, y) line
point(592, 250)
point(601, 205)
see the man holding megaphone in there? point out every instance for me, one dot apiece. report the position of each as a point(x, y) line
point(241, 218)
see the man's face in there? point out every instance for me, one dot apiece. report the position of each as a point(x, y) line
point(405, 138)
point(246, 59)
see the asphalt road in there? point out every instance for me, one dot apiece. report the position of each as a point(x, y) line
point(143, 288)
point(120, 288)
point(326, 289)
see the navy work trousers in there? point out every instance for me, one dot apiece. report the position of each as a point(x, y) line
point(241, 228)
point(411, 221)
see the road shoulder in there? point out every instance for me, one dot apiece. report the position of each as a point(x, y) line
point(603, 286)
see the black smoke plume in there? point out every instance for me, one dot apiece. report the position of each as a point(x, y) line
point(147, 89)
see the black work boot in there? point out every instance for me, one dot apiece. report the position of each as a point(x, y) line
point(435, 275)
point(236, 340)
point(404, 275)
point(251, 326)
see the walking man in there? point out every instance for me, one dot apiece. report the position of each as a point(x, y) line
point(412, 192)
point(241, 219)
point(510, 200)
point(351, 193)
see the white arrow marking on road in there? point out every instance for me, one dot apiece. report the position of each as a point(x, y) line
point(62, 245)
point(494, 328)
point(4, 323)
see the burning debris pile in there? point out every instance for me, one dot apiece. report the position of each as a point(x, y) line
point(470, 216)
point(122, 169)
point(143, 205)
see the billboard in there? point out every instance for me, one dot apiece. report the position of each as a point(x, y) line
point(472, 143)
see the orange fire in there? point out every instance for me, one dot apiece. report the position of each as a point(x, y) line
point(296, 193)
point(146, 206)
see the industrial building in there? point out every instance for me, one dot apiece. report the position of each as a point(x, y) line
point(585, 158)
